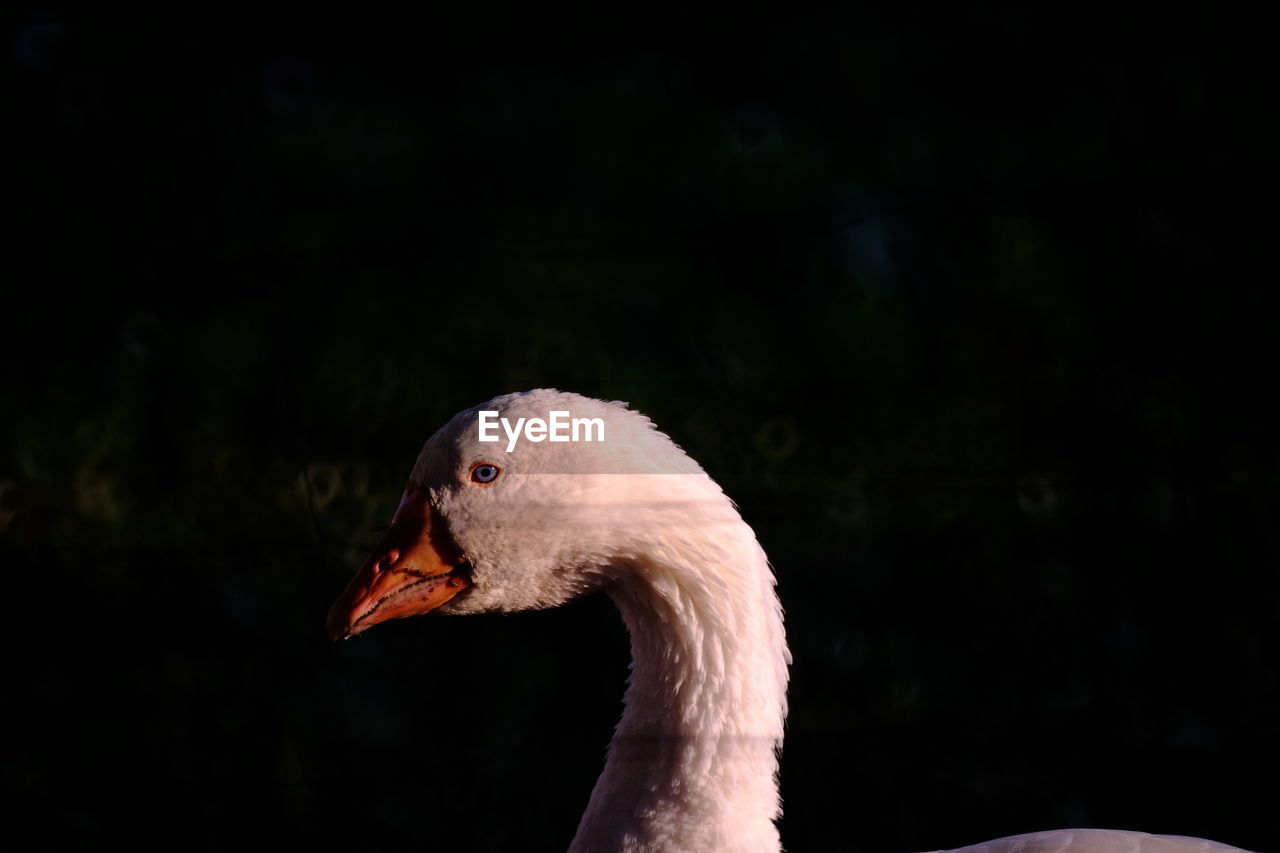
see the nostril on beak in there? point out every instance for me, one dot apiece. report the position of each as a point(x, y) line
point(388, 560)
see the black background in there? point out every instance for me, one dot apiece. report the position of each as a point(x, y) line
point(969, 311)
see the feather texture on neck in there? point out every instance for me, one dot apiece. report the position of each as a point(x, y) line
point(693, 762)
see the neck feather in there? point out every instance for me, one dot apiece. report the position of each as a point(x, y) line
point(693, 762)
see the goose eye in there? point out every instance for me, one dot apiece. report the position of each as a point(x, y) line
point(485, 473)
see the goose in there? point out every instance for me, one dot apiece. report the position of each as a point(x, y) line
point(534, 518)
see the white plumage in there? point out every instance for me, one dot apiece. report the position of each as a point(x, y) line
point(1096, 841)
point(693, 762)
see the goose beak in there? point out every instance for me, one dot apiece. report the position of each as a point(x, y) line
point(415, 569)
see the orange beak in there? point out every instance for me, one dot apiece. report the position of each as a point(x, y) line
point(414, 569)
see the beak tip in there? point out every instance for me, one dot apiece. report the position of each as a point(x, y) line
point(336, 626)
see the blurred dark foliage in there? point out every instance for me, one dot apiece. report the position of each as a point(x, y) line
point(965, 310)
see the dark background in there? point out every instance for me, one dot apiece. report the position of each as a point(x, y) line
point(964, 309)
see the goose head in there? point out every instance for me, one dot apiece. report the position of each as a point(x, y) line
point(519, 524)
point(531, 522)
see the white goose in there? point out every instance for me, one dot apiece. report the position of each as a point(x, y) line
point(504, 526)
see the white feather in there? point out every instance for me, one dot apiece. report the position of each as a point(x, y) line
point(693, 762)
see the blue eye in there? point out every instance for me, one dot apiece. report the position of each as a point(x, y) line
point(485, 473)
